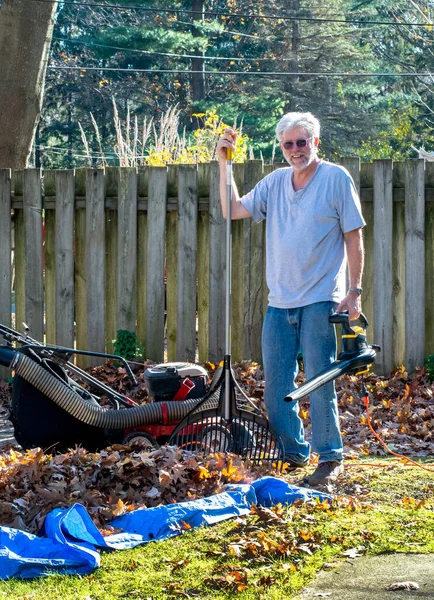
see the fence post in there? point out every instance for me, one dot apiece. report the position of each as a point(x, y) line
point(157, 208)
point(5, 255)
point(33, 253)
point(414, 263)
point(383, 275)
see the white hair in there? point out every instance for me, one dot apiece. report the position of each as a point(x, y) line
point(306, 120)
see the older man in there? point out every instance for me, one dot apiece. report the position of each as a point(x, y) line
point(313, 224)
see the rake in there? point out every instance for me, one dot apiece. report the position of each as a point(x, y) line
point(226, 420)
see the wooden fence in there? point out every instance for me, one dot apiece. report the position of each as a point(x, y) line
point(143, 250)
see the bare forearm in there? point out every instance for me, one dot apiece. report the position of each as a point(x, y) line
point(237, 209)
point(355, 256)
point(226, 143)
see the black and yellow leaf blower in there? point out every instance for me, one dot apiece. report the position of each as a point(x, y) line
point(355, 358)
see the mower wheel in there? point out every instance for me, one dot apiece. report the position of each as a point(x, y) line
point(145, 440)
point(243, 439)
point(216, 438)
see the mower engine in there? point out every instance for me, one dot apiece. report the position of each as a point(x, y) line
point(175, 381)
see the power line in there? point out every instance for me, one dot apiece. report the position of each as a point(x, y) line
point(246, 73)
point(150, 52)
point(235, 15)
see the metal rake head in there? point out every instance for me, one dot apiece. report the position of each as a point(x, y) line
point(210, 427)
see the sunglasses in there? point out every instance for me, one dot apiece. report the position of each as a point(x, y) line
point(299, 143)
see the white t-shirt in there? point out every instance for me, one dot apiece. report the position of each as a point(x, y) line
point(304, 233)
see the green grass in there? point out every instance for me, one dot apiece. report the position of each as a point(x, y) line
point(382, 509)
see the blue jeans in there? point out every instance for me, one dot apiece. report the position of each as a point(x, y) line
point(285, 333)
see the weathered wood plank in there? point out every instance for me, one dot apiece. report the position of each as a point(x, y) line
point(414, 263)
point(50, 258)
point(65, 190)
point(95, 262)
point(142, 254)
point(50, 274)
point(80, 270)
point(5, 255)
point(254, 253)
point(367, 171)
point(171, 281)
point(187, 263)
point(203, 267)
point(19, 276)
point(155, 260)
point(237, 283)
point(171, 264)
point(383, 275)
point(33, 250)
point(127, 248)
point(111, 260)
point(6, 247)
point(429, 262)
point(217, 269)
point(398, 252)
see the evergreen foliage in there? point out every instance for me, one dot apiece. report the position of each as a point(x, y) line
point(374, 117)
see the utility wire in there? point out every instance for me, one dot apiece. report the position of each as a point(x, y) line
point(246, 73)
point(149, 52)
point(235, 15)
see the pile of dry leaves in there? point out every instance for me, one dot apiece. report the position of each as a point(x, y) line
point(120, 478)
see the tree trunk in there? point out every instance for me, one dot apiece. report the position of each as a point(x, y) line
point(197, 64)
point(26, 29)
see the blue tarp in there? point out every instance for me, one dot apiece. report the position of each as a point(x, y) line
point(70, 541)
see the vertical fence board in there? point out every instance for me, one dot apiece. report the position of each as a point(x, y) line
point(171, 262)
point(203, 285)
point(237, 283)
point(142, 252)
point(127, 248)
point(366, 179)
point(415, 263)
point(5, 255)
point(383, 275)
point(33, 252)
point(19, 277)
point(50, 274)
point(217, 269)
point(80, 270)
point(155, 259)
point(95, 262)
point(429, 262)
point(171, 281)
point(398, 252)
point(254, 252)
point(187, 261)
point(203, 182)
point(6, 242)
point(203, 264)
point(50, 256)
point(65, 192)
point(111, 257)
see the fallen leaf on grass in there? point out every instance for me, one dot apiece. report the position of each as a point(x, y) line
point(402, 585)
point(323, 594)
point(353, 552)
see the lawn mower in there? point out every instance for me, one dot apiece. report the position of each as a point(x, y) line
point(56, 404)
